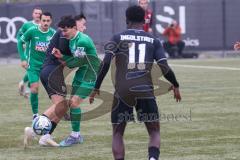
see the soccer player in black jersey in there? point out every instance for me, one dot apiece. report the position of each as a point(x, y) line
point(135, 51)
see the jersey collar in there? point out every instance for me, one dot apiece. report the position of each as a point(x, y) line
point(135, 30)
point(41, 30)
point(75, 35)
point(34, 22)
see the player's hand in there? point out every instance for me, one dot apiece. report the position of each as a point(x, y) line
point(24, 64)
point(176, 93)
point(93, 95)
point(62, 62)
point(57, 53)
point(237, 46)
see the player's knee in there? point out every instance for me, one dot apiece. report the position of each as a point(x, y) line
point(56, 99)
point(34, 88)
point(75, 101)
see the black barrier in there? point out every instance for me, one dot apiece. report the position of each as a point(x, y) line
point(206, 24)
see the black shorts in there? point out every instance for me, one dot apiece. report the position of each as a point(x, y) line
point(147, 111)
point(52, 79)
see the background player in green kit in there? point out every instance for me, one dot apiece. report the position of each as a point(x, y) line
point(38, 38)
point(36, 20)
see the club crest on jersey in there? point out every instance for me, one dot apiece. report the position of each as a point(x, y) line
point(49, 38)
point(79, 52)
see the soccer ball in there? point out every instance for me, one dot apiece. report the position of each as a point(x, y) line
point(41, 125)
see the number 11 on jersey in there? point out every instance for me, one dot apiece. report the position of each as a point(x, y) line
point(132, 55)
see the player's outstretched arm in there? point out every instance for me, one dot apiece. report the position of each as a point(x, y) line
point(170, 76)
point(105, 65)
point(176, 93)
point(166, 70)
point(93, 95)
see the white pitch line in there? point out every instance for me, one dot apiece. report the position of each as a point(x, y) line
point(206, 67)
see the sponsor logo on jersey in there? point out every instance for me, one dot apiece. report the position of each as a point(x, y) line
point(41, 46)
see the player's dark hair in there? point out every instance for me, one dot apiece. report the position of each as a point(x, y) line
point(135, 14)
point(79, 17)
point(67, 21)
point(46, 14)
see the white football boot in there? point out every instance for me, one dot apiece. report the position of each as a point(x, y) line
point(47, 141)
point(29, 135)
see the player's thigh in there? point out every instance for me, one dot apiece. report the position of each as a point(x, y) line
point(33, 75)
point(121, 112)
point(82, 89)
point(53, 80)
point(147, 110)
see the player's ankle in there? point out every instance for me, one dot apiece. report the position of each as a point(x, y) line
point(75, 134)
point(153, 153)
point(35, 115)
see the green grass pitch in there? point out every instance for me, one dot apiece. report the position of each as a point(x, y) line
point(207, 126)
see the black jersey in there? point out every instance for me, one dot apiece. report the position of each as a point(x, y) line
point(60, 42)
point(134, 57)
point(134, 52)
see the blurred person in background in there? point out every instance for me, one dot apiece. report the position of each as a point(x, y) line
point(237, 46)
point(22, 87)
point(38, 38)
point(147, 27)
point(174, 45)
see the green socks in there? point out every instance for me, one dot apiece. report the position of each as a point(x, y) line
point(75, 119)
point(34, 102)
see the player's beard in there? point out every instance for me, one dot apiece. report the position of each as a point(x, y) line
point(46, 27)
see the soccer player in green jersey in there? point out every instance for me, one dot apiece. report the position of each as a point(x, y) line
point(36, 20)
point(38, 38)
point(84, 57)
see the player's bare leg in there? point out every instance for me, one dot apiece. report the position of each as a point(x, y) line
point(21, 88)
point(153, 129)
point(55, 112)
point(117, 140)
